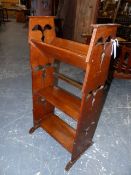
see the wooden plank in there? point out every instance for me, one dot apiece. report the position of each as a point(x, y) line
point(117, 9)
point(86, 14)
point(67, 12)
point(61, 131)
point(63, 100)
point(42, 21)
point(68, 80)
point(71, 45)
point(66, 55)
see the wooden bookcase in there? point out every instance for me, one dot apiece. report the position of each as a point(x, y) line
point(93, 59)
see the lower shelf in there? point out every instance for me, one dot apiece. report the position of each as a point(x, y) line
point(60, 130)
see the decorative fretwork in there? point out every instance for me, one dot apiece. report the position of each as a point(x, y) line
point(42, 30)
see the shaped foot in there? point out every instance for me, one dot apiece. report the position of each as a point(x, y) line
point(69, 165)
point(33, 129)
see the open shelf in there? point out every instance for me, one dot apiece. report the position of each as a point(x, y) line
point(61, 131)
point(47, 96)
point(62, 100)
point(71, 45)
point(70, 55)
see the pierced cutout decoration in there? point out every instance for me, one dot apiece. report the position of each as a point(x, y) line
point(94, 93)
point(103, 41)
point(100, 41)
point(108, 39)
point(42, 67)
point(42, 29)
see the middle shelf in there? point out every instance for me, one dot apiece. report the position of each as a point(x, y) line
point(63, 100)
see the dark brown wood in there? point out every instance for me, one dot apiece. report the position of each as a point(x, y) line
point(40, 109)
point(117, 9)
point(70, 104)
point(94, 59)
point(122, 64)
point(68, 80)
point(42, 8)
point(86, 14)
point(67, 12)
point(77, 17)
point(59, 130)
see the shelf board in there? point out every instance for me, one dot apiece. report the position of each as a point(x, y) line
point(60, 131)
point(65, 53)
point(63, 100)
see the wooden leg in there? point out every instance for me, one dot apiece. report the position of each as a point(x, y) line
point(73, 160)
point(34, 128)
point(70, 164)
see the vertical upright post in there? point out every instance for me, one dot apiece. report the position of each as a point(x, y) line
point(118, 6)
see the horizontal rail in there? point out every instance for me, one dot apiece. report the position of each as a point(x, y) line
point(68, 80)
